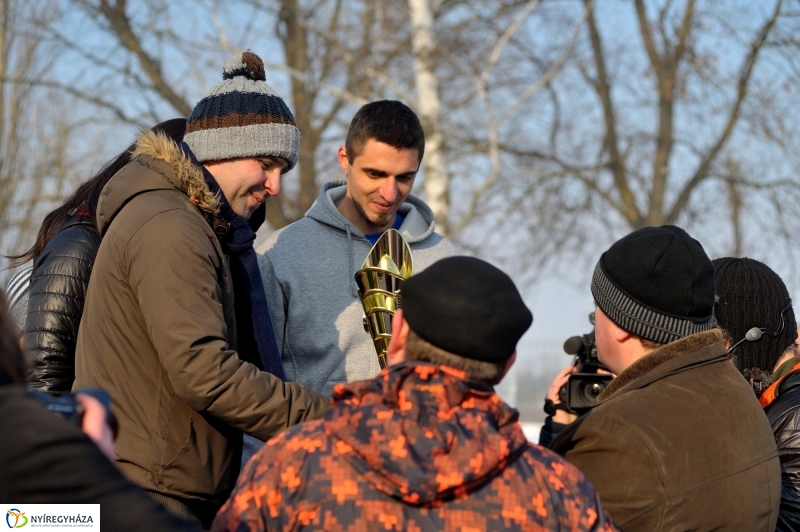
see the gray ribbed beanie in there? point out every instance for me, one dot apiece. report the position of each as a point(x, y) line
point(657, 283)
point(242, 117)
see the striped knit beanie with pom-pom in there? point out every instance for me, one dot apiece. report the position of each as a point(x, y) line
point(750, 294)
point(242, 117)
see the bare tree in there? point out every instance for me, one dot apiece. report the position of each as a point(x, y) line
point(139, 63)
point(36, 163)
point(149, 39)
point(678, 120)
point(543, 120)
point(437, 178)
point(315, 57)
point(502, 72)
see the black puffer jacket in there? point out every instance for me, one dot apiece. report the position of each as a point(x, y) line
point(55, 305)
point(784, 416)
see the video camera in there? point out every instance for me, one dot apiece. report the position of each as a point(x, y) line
point(583, 387)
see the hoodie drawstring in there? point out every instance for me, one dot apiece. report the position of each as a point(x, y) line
point(353, 285)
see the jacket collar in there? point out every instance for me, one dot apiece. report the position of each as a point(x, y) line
point(186, 176)
point(694, 350)
point(169, 169)
point(782, 385)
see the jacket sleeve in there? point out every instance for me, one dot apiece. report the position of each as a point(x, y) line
point(620, 464)
point(275, 298)
point(50, 461)
point(550, 429)
point(17, 294)
point(257, 502)
point(57, 292)
point(274, 491)
point(565, 494)
point(176, 276)
point(786, 427)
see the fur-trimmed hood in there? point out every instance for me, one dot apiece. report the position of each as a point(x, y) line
point(158, 163)
point(704, 347)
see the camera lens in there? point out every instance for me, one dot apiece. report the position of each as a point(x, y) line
point(583, 390)
point(590, 392)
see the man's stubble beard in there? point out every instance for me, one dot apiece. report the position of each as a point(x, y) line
point(382, 220)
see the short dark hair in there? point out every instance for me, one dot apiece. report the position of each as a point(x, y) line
point(476, 370)
point(387, 121)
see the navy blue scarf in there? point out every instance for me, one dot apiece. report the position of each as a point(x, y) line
point(253, 323)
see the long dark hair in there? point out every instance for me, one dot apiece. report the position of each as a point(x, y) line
point(86, 196)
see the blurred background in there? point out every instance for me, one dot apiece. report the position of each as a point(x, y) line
point(553, 127)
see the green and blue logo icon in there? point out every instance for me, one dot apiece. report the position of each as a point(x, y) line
point(16, 518)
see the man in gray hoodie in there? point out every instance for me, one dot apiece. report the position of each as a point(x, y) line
point(308, 267)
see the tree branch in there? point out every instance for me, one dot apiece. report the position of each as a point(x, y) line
point(120, 24)
point(71, 90)
point(504, 38)
point(616, 165)
point(666, 70)
point(548, 76)
point(744, 78)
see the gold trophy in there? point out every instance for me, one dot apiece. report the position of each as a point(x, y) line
point(387, 265)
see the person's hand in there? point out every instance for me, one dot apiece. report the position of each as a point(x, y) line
point(561, 416)
point(559, 382)
point(95, 426)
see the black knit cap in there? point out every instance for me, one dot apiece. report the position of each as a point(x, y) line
point(657, 283)
point(467, 307)
point(750, 294)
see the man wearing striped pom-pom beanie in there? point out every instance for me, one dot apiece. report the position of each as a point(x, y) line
point(176, 324)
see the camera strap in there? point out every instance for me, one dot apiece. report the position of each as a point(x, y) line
point(551, 407)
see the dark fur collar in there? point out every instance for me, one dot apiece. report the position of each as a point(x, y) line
point(658, 357)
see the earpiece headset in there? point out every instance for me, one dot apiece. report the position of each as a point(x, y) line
point(755, 334)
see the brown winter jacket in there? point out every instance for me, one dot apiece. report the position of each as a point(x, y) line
point(678, 442)
point(158, 332)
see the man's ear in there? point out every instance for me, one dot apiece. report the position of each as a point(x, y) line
point(344, 164)
point(509, 363)
point(396, 352)
point(620, 334)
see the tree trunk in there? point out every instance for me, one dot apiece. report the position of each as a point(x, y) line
point(437, 179)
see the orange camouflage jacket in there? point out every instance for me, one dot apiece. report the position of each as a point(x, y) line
point(417, 448)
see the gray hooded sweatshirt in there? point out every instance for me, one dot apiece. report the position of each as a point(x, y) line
point(308, 270)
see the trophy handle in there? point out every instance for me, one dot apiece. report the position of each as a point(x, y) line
point(387, 265)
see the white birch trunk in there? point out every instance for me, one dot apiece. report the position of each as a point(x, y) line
point(437, 179)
